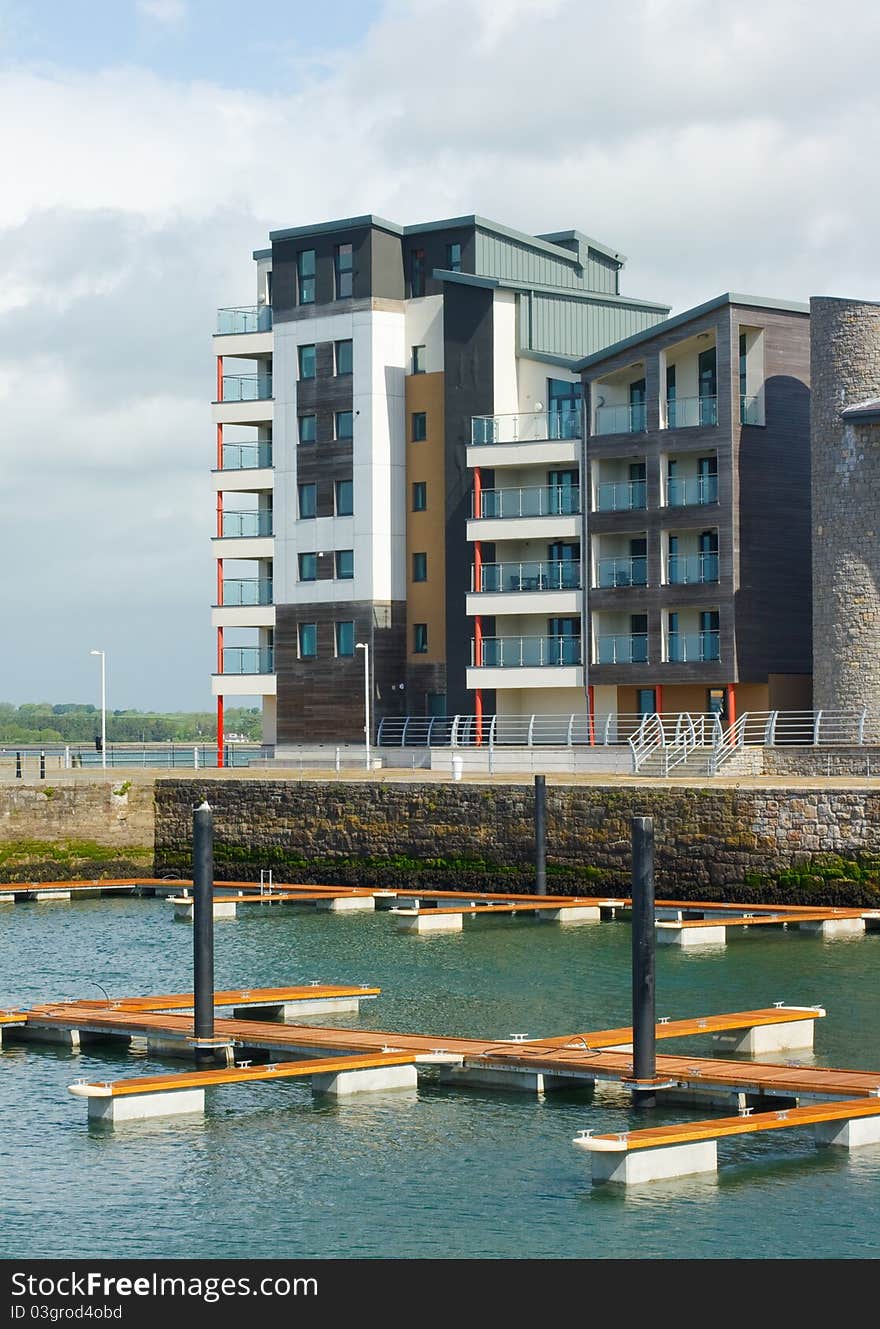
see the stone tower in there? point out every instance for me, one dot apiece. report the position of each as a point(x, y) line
point(845, 460)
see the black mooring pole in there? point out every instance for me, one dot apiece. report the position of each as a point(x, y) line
point(18, 765)
point(540, 835)
point(203, 926)
point(643, 950)
point(42, 765)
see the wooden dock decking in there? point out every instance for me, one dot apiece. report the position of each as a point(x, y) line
point(183, 1001)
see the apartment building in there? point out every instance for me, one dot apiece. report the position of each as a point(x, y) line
point(398, 424)
point(697, 587)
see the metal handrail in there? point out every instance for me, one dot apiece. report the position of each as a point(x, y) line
point(532, 575)
point(525, 427)
point(526, 501)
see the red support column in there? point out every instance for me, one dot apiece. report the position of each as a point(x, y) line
point(478, 492)
point(219, 513)
point(219, 447)
point(658, 699)
point(478, 711)
point(478, 660)
point(731, 704)
point(220, 733)
point(591, 708)
point(219, 581)
point(219, 378)
point(478, 566)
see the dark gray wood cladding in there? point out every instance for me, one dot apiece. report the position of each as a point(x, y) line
point(323, 698)
point(468, 391)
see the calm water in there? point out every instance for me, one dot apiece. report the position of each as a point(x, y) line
point(442, 1173)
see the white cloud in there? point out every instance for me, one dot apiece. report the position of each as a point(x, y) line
point(722, 150)
point(169, 12)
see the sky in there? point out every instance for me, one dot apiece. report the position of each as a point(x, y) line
point(149, 146)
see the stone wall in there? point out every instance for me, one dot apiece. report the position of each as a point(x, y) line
point(845, 463)
point(68, 828)
point(807, 845)
point(856, 760)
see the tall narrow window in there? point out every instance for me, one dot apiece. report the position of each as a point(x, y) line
point(344, 357)
point(419, 496)
point(307, 495)
point(307, 362)
point(419, 426)
point(638, 418)
point(343, 564)
point(708, 387)
point(308, 640)
point(344, 424)
point(345, 638)
point(420, 567)
point(420, 638)
point(453, 257)
point(305, 272)
point(417, 272)
point(670, 396)
point(343, 263)
point(418, 359)
point(308, 428)
point(308, 567)
point(344, 498)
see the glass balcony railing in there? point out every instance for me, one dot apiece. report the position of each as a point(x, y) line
point(244, 525)
point(690, 412)
point(535, 501)
point(240, 592)
point(621, 495)
point(557, 576)
point(525, 427)
point(688, 569)
point(247, 387)
point(527, 652)
point(631, 571)
point(622, 648)
point(624, 418)
point(691, 491)
point(244, 318)
point(248, 660)
point(749, 411)
point(691, 647)
point(247, 456)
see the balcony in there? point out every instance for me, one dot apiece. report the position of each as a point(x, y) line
point(246, 525)
point(533, 501)
point(238, 319)
point(518, 577)
point(691, 412)
point(622, 648)
point(241, 592)
point(525, 427)
point(621, 495)
point(247, 456)
point(692, 569)
point(630, 571)
point(691, 492)
point(248, 660)
point(247, 387)
point(750, 411)
point(527, 652)
point(622, 418)
point(692, 647)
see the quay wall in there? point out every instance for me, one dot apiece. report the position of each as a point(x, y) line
point(64, 828)
point(806, 845)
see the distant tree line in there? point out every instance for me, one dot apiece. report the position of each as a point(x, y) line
point(41, 722)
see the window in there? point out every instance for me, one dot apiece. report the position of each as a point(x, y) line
point(420, 567)
point(343, 564)
point(343, 357)
point(420, 638)
point(305, 271)
point(453, 257)
point(308, 431)
point(418, 359)
point(563, 408)
point(345, 638)
point(307, 494)
point(419, 496)
point(343, 494)
point(307, 634)
point(308, 567)
point(344, 424)
point(417, 272)
point(343, 264)
point(306, 362)
point(419, 426)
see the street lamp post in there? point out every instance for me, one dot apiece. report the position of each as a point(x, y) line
point(364, 646)
point(103, 655)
